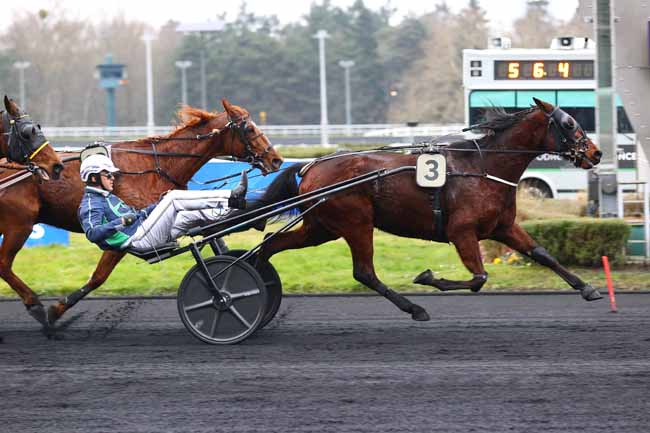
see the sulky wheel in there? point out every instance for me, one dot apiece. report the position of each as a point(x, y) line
point(272, 282)
point(237, 316)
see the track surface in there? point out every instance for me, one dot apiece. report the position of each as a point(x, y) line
point(545, 363)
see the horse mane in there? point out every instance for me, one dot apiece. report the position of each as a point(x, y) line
point(187, 117)
point(190, 116)
point(496, 119)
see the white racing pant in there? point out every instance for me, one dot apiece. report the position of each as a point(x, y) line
point(178, 212)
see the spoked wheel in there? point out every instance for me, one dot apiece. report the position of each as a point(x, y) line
point(239, 313)
point(272, 282)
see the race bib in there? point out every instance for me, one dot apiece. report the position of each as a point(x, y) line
point(431, 171)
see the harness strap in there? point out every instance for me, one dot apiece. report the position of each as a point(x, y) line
point(33, 155)
point(438, 216)
point(15, 178)
point(498, 179)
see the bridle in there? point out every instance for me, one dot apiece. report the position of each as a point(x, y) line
point(563, 127)
point(25, 139)
point(240, 127)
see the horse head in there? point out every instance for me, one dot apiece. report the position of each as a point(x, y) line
point(23, 142)
point(565, 136)
point(249, 141)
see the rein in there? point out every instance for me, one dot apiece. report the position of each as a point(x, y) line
point(237, 125)
point(24, 172)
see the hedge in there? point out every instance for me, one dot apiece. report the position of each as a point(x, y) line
point(581, 241)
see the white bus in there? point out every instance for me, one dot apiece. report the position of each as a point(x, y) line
point(562, 75)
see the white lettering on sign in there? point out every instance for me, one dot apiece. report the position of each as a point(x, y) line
point(431, 171)
point(547, 157)
point(627, 156)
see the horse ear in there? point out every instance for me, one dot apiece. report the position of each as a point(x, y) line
point(226, 105)
point(544, 106)
point(11, 106)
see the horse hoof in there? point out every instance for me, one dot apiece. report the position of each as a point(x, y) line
point(52, 335)
point(38, 313)
point(425, 278)
point(590, 294)
point(419, 314)
point(53, 314)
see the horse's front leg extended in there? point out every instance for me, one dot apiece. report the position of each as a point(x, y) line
point(106, 264)
point(516, 237)
point(12, 242)
point(466, 244)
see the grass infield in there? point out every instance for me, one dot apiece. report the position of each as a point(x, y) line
point(57, 270)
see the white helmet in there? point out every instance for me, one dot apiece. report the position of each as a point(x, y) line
point(95, 164)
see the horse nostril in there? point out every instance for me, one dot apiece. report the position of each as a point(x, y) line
point(598, 154)
point(276, 163)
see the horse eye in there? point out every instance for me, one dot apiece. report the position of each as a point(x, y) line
point(569, 124)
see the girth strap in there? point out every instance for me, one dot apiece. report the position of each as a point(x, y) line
point(438, 215)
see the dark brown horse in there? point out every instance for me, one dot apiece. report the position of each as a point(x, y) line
point(24, 146)
point(477, 202)
point(164, 163)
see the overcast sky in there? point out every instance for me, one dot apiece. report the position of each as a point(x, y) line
point(500, 12)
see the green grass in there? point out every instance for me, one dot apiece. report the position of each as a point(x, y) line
point(56, 270)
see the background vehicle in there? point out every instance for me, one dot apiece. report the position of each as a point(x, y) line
point(563, 75)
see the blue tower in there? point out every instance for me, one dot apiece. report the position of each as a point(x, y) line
point(111, 75)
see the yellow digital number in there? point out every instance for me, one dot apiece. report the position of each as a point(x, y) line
point(563, 69)
point(513, 70)
point(538, 70)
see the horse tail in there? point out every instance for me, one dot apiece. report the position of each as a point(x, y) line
point(284, 186)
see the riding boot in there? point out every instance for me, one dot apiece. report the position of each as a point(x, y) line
point(237, 199)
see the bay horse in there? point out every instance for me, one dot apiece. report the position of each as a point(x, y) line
point(150, 167)
point(477, 202)
point(23, 149)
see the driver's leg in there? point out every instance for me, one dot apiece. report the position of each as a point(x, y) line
point(157, 228)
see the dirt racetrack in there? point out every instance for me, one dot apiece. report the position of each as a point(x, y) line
point(501, 363)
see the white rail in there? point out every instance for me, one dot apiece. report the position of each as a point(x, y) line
point(361, 130)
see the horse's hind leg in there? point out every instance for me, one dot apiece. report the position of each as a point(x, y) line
point(466, 244)
point(12, 242)
point(516, 237)
point(106, 264)
point(359, 237)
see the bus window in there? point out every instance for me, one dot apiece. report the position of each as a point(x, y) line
point(624, 124)
point(585, 116)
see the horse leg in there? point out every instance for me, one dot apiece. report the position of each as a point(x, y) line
point(360, 241)
point(466, 244)
point(13, 241)
point(516, 237)
point(106, 264)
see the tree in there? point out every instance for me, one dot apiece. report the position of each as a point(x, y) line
point(536, 28)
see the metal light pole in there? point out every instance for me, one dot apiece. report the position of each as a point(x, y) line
point(147, 37)
point(21, 66)
point(321, 35)
point(201, 29)
point(183, 65)
point(606, 109)
point(346, 65)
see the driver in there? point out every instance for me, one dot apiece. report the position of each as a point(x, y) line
point(113, 225)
